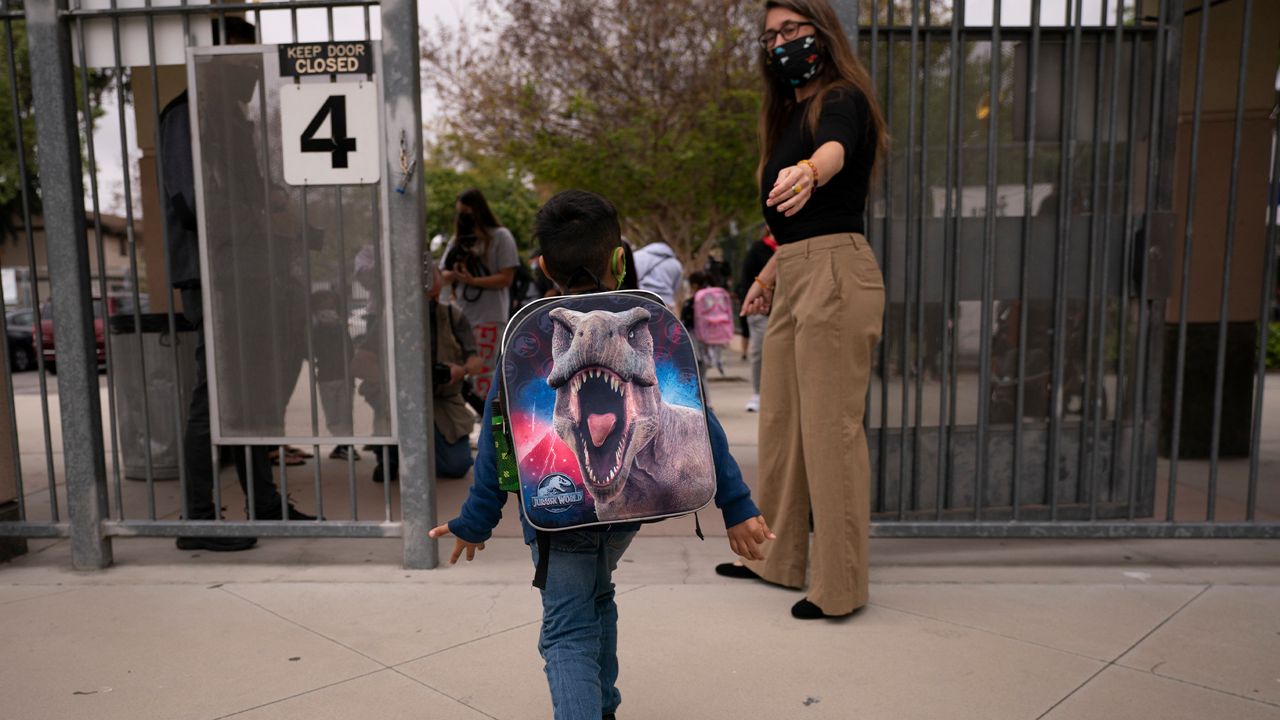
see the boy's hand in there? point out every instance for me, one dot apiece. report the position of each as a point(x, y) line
point(459, 544)
point(746, 537)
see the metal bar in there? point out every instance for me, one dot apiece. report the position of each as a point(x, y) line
point(37, 333)
point(132, 242)
point(164, 253)
point(99, 244)
point(988, 269)
point(1008, 32)
point(1220, 368)
point(261, 528)
point(953, 222)
point(882, 471)
point(922, 360)
point(221, 8)
point(1264, 327)
point(1153, 162)
point(904, 479)
point(249, 492)
point(49, 47)
point(1061, 255)
point(25, 529)
point(1084, 454)
point(946, 396)
point(1126, 272)
point(402, 223)
point(35, 328)
point(1184, 296)
point(1099, 400)
point(1080, 530)
point(284, 482)
point(1020, 392)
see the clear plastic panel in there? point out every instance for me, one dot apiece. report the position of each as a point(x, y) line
point(295, 275)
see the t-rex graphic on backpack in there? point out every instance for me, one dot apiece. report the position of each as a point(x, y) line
point(632, 446)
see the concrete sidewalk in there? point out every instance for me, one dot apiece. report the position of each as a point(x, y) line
point(321, 629)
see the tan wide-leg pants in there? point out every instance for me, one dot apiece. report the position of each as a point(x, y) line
point(826, 319)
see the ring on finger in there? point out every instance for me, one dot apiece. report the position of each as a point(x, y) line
point(796, 190)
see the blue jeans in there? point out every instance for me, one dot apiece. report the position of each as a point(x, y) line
point(579, 640)
point(453, 460)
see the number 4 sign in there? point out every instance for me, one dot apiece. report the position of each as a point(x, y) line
point(330, 133)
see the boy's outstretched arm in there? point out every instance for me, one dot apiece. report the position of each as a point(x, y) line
point(483, 507)
point(746, 526)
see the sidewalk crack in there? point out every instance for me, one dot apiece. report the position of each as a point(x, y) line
point(1115, 661)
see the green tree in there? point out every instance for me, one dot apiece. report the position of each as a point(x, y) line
point(13, 51)
point(651, 103)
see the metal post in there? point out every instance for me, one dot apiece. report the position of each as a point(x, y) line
point(49, 46)
point(402, 93)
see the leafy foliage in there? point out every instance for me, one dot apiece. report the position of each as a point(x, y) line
point(13, 52)
point(651, 103)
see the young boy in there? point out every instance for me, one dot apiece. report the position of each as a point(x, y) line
point(582, 252)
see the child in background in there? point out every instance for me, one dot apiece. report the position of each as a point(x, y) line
point(712, 319)
point(582, 252)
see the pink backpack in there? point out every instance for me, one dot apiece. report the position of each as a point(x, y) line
point(713, 316)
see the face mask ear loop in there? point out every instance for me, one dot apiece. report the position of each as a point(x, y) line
point(620, 266)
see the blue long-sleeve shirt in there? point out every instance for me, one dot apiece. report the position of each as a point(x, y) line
point(483, 507)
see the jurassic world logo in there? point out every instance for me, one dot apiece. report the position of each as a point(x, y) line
point(557, 493)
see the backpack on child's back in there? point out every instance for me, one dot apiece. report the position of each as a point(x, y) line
point(713, 316)
point(600, 416)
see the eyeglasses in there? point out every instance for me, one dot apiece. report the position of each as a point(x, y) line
point(789, 30)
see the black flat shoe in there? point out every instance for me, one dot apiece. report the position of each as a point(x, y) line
point(805, 610)
point(734, 570)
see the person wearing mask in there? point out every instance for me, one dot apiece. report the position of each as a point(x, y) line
point(480, 266)
point(659, 271)
point(821, 133)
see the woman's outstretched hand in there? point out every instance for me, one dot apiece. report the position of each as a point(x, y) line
point(791, 190)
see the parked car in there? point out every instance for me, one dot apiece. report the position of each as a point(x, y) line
point(20, 329)
point(116, 305)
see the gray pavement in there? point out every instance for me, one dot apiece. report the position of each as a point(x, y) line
point(318, 629)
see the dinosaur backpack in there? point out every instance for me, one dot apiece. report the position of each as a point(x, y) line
point(600, 416)
point(713, 316)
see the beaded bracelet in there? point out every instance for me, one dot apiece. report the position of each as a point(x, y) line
point(812, 168)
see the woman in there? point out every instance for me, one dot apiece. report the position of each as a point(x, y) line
point(480, 265)
point(820, 132)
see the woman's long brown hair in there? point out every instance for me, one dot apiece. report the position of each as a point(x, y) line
point(841, 71)
point(486, 221)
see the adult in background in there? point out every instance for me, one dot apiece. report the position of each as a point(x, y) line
point(180, 203)
point(659, 271)
point(821, 132)
point(752, 265)
point(480, 266)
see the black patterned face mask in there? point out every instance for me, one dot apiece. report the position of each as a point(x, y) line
point(797, 62)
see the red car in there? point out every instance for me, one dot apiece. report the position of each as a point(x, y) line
point(115, 306)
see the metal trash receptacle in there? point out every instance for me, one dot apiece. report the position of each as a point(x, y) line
point(139, 394)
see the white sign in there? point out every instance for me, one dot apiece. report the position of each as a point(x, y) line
point(135, 34)
point(9, 279)
point(330, 133)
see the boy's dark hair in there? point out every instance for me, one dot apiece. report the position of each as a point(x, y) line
point(701, 279)
point(577, 232)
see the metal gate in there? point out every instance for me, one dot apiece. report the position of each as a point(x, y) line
point(1069, 181)
point(80, 65)
point(1028, 221)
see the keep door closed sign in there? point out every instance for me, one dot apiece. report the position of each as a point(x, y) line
point(326, 58)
